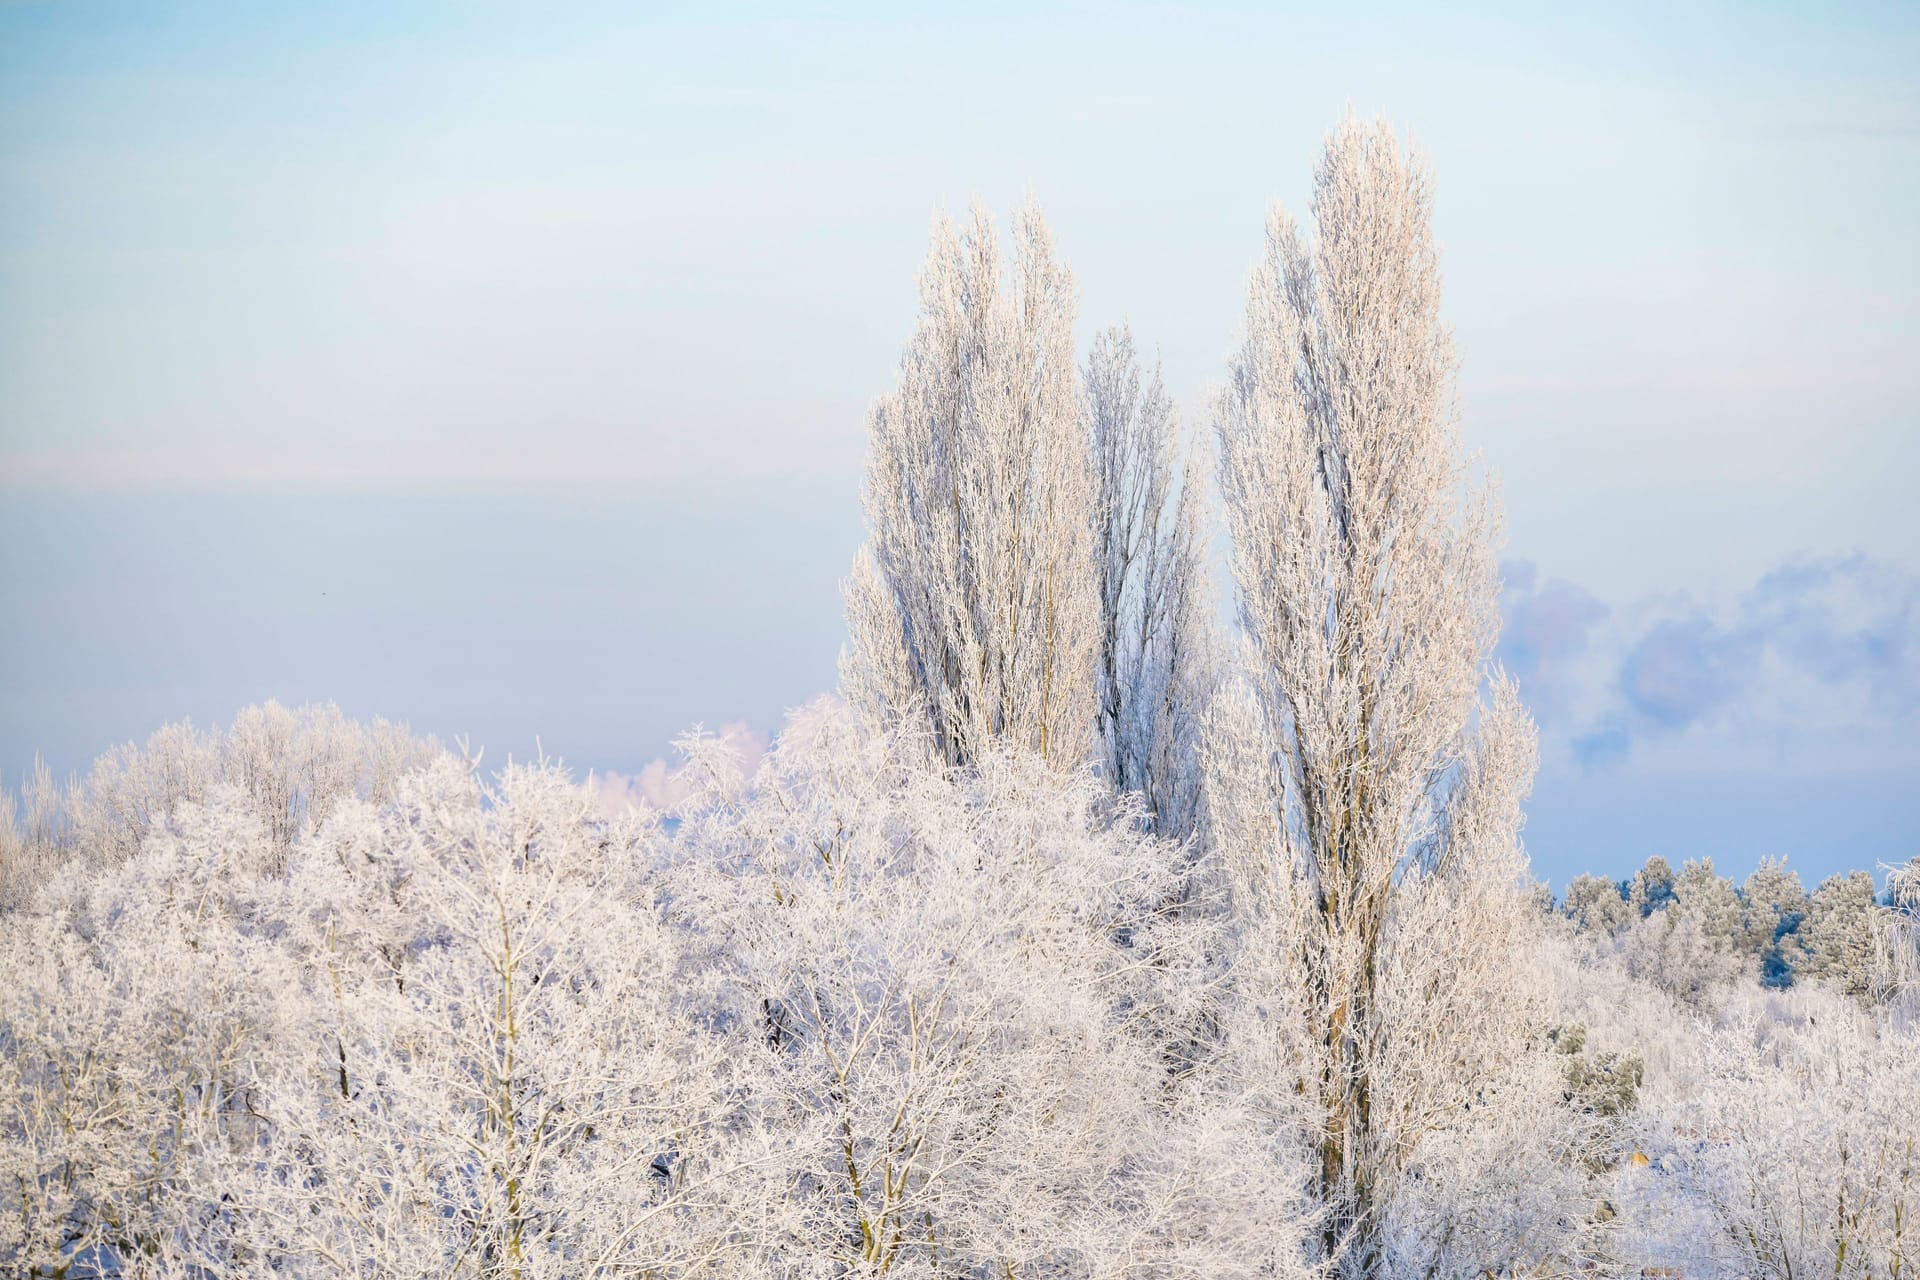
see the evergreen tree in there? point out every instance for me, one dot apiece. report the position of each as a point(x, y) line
point(1839, 933)
point(1595, 905)
point(1774, 902)
point(1652, 886)
point(1701, 895)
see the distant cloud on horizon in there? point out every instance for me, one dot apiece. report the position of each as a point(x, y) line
point(1818, 649)
point(1549, 628)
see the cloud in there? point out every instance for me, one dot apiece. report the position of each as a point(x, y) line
point(1817, 646)
point(1546, 630)
point(1678, 671)
point(1840, 620)
point(1602, 747)
point(661, 786)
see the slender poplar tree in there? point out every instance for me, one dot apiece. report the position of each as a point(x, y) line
point(1365, 804)
point(1156, 646)
point(975, 602)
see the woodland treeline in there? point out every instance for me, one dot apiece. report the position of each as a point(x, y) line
point(1767, 927)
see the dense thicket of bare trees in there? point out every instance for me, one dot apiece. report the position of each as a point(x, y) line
point(286, 769)
point(1077, 942)
point(1768, 1132)
point(859, 1015)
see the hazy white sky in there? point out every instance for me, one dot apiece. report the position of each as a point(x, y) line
point(612, 264)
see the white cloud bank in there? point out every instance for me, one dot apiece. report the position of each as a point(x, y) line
point(1818, 661)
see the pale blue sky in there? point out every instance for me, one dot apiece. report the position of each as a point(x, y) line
point(549, 335)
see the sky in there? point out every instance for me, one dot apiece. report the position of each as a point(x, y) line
point(505, 371)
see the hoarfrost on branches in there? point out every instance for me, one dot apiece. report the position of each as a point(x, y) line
point(974, 602)
point(1077, 942)
point(1365, 804)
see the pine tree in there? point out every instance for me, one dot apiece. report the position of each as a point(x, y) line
point(1839, 933)
point(1595, 905)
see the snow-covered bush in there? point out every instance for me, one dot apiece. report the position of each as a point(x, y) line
point(1804, 1139)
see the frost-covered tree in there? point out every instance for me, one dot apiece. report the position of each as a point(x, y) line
point(1811, 1163)
point(287, 767)
point(1594, 904)
point(1770, 1132)
point(955, 981)
point(139, 1005)
point(1156, 644)
point(17, 857)
point(1899, 967)
point(1673, 952)
point(1773, 903)
point(975, 602)
point(1652, 887)
point(1365, 805)
point(505, 1084)
point(1692, 947)
point(1707, 898)
point(443, 1040)
point(1839, 933)
point(33, 836)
